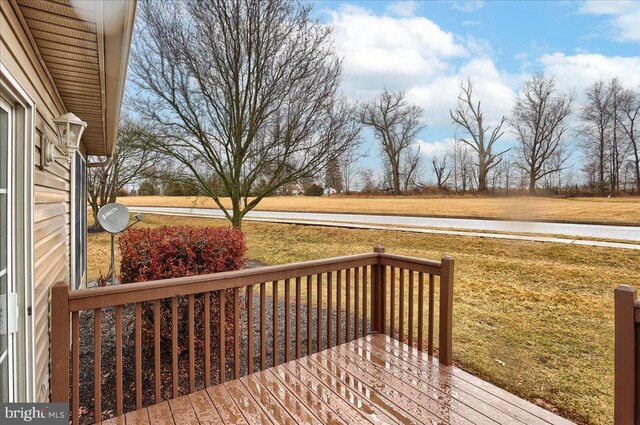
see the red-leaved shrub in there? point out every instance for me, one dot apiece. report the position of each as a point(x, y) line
point(168, 252)
point(176, 251)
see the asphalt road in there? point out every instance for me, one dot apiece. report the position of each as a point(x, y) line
point(470, 227)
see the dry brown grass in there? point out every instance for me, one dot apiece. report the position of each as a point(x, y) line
point(545, 310)
point(614, 210)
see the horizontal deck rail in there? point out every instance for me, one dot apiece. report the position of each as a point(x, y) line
point(181, 335)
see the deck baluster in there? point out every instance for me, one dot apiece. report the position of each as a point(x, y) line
point(250, 329)
point(401, 308)
point(222, 297)
point(274, 319)
point(339, 307)
point(174, 346)
point(207, 339)
point(431, 324)
point(138, 347)
point(236, 333)
point(420, 311)
point(192, 357)
point(119, 360)
point(156, 352)
point(287, 319)
point(298, 321)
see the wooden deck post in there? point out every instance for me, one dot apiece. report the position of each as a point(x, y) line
point(446, 311)
point(376, 299)
point(60, 340)
point(625, 356)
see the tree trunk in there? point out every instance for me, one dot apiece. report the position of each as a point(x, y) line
point(236, 218)
point(396, 180)
point(94, 213)
point(532, 182)
point(482, 173)
point(637, 170)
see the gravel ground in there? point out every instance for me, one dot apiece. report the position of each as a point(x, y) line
point(108, 352)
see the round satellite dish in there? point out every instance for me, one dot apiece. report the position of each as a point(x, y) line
point(113, 217)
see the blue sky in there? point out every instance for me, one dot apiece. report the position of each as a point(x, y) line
point(425, 48)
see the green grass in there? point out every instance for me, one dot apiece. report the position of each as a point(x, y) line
point(535, 319)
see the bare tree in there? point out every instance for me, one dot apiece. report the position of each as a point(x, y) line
point(441, 171)
point(469, 117)
point(595, 117)
point(629, 101)
point(395, 124)
point(411, 169)
point(244, 91)
point(348, 166)
point(369, 181)
point(616, 146)
point(132, 159)
point(462, 165)
point(333, 176)
point(539, 121)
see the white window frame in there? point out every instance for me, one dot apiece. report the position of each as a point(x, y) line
point(24, 118)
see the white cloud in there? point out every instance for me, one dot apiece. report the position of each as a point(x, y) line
point(405, 9)
point(435, 148)
point(624, 21)
point(467, 5)
point(494, 88)
point(416, 55)
point(582, 70)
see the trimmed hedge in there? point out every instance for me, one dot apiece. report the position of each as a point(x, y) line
point(150, 254)
point(168, 252)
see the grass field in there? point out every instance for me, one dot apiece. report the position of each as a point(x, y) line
point(601, 210)
point(533, 318)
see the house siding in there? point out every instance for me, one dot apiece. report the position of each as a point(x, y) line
point(52, 187)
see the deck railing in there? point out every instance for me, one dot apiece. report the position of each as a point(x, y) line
point(627, 356)
point(354, 295)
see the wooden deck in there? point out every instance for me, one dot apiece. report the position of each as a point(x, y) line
point(374, 379)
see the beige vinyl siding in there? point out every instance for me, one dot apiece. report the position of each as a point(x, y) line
point(52, 186)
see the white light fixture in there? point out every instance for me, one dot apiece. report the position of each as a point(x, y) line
point(69, 129)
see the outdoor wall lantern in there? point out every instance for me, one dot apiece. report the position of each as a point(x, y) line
point(69, 129)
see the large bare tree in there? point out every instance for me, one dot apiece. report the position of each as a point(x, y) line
point(470, 117)
point(245, 92)
point(132, 159)
point(539, 122)
point(395, 124)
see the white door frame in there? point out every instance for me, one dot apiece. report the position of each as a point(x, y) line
point(8, 355)
point(24, 115)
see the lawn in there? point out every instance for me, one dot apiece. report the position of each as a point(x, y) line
point(593, 210)
point(533, 318)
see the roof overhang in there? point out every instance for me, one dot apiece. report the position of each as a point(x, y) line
point(85, 48)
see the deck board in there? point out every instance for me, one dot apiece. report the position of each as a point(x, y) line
point(265, 399)
point(226, 406)
point(160, 414)
point(204, 409)
point(341, 406)
point(182, 411)
point(374, 379)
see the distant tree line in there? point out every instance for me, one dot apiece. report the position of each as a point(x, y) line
point(241, 100)
point(600, 137)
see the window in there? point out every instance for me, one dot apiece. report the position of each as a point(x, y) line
point(80, 219)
